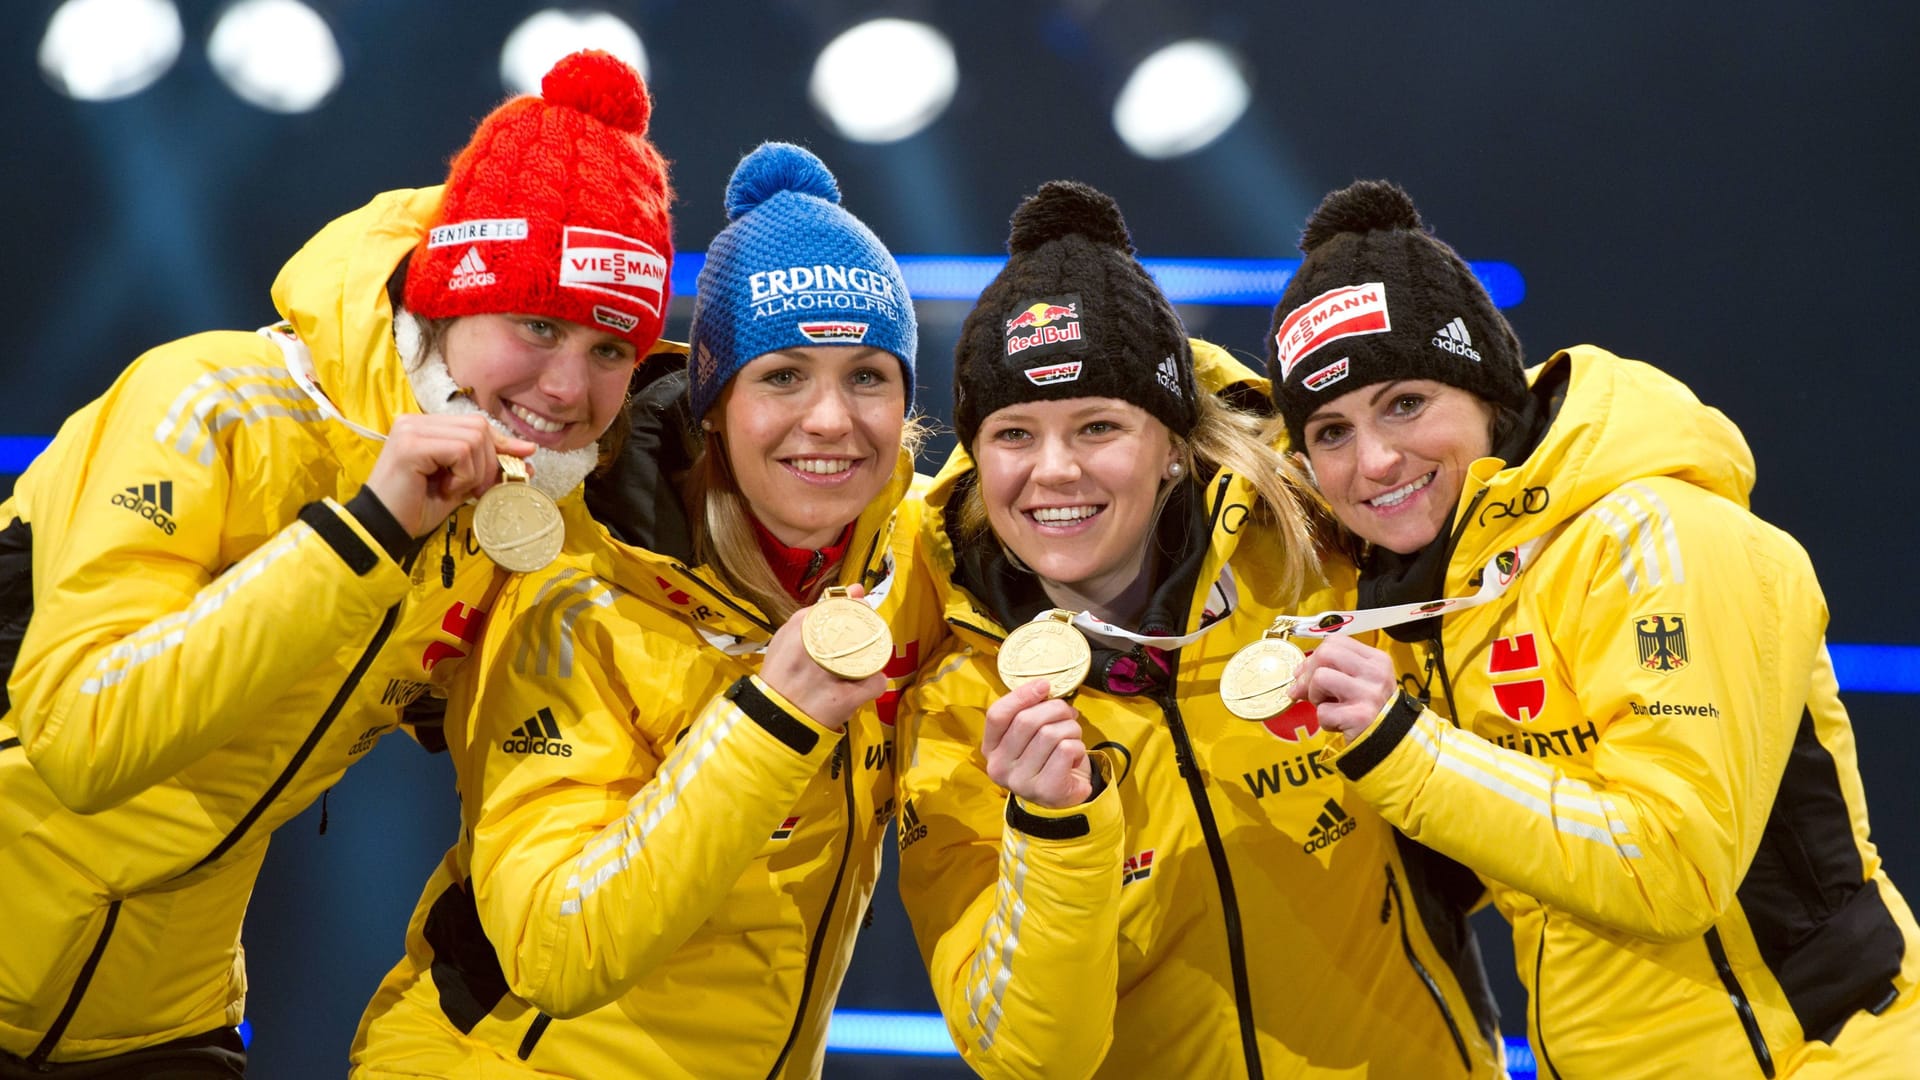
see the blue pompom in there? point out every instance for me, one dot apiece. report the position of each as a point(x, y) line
point(773, 168)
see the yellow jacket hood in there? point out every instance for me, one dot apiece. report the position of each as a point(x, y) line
point(334, 293)
point(1620, 420)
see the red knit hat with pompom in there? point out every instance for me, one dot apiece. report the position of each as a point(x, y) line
point(557, 207)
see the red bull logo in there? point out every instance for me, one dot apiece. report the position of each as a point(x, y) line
point(1049, 321)
point(1041, 314)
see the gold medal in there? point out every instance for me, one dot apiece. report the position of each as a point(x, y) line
point(517, 524)
point(1049, 648)
point(1254, 684)
point(845, 636)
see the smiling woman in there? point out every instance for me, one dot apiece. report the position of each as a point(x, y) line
point(673, 758)
point(810, 435)
point(1392, 458)
point(1716, 877)
point(1113, 515)
point(179, 693)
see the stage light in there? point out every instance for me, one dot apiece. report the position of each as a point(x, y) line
point(1181, 98)
point(884, 80)
point(99, 50)
point(276, 54)
point(538, 43)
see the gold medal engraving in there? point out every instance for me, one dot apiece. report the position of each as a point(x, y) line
point(517, 524)
point(1254, 684)
point(845, 636)
point(1049, 648)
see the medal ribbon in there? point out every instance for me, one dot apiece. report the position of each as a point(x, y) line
point(1493, 583)
point(1224, 594)
point(300, 366)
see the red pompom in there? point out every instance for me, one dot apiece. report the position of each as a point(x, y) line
point(601, 85)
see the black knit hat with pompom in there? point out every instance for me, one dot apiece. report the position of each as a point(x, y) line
point(1072, 315)
point(1379, 298)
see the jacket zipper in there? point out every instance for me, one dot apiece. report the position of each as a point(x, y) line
point(1394, 904)
point(300, 756)
point(842, 767)
point(1539, 1032)
point(722, 599)
point(266, 799)
point(1741, 1005)
point(38, 1059)
point(1229, 906)
point(532, 1037)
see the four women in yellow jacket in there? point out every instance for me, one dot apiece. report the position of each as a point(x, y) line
point(1647, 758)
point(1129, 880)
point(230, 600)
point(672, 814)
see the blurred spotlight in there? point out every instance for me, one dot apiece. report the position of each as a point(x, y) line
point(884, 80)
point(276, 54)
point(98, 50)
point(537, 44)
point(1181, 98)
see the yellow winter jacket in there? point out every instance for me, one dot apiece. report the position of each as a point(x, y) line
point(1223, 907)
point(1652, 768)
point(663, 864)
point(214, 638)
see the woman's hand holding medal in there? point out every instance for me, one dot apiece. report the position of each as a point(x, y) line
point(828, 698)
point(1348, 684)
point(430, 464)
point(1034, 748)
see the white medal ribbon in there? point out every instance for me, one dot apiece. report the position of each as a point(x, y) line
point(300, 365)
point(1223, 597)
point(1493, 583)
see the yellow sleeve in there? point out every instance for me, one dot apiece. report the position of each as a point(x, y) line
point(167, 609)
point(1016, 910)
point(1688, 760)
point(597, 857)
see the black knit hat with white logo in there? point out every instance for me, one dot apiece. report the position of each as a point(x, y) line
point(1378, 298)
point(1072, 315)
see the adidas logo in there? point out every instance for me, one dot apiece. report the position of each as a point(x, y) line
point(539, 735)
point(1169, 375)
point(151, 501)
point(1453, 338)
point(909, 827)
point(470, 272)
point(1331, 827)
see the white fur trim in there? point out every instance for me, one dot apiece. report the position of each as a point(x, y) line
point(555, 472)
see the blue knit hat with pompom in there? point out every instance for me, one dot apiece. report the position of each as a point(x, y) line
point(792, 269)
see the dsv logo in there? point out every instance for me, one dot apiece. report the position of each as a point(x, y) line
point(1531, 501)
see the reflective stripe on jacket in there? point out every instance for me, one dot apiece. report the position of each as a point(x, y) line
point(214, 639)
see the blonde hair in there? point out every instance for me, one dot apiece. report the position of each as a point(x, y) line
point(721, 521)
point(1225, 438)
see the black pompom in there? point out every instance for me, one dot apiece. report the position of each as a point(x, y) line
point(1362, 206)
point(1066, 208)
